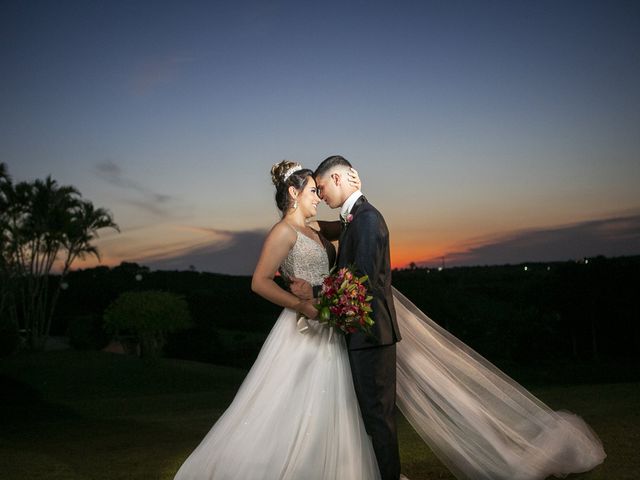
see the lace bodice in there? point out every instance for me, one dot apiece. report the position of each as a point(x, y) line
point(307, 260)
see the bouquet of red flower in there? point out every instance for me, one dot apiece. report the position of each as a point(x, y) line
point(344, 302)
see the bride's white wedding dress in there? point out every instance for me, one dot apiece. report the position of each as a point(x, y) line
point(296, 416)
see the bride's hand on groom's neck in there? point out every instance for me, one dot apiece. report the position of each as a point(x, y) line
point(354, 179)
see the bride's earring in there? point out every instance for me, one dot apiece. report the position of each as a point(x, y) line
point(295, 204)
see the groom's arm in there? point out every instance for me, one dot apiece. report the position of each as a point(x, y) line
point(330, 230)
point(303, 289)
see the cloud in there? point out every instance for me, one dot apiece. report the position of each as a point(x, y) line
point(148, 205)
point(616, 236)
point(233, 253)
point(147, 200)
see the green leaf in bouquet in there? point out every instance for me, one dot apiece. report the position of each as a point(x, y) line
point(325, 314)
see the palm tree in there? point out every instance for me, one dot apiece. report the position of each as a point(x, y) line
point(83, 228)
point(4, 173)
point(82, 225)
point(5, 182)
point(40, 235)
point(7, 314)
point(42, 222)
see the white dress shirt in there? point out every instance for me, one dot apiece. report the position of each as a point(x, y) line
point(349, 203)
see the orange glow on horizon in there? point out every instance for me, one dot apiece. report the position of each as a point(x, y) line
point(399, 258)
point(402, 256)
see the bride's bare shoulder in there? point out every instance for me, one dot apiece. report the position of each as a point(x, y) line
point(282, 232)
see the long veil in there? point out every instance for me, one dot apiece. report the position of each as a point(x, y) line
point(478, 421)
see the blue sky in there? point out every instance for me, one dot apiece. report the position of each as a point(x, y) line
point(472, 123)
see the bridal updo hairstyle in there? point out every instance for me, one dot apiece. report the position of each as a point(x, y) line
point(297, 179)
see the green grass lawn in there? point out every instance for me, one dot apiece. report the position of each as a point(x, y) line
point(90, 415)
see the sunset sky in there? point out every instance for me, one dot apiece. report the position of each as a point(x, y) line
point(486, 132)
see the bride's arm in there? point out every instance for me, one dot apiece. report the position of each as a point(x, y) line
point(275, 249)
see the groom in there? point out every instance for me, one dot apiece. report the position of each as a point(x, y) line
point(364, 243)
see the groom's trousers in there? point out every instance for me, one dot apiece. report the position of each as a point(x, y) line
point(374, 379)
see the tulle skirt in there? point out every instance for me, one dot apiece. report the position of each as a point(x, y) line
point(295, 416)
point(478, 421)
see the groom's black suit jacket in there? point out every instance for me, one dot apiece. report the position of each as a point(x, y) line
point(364, 243)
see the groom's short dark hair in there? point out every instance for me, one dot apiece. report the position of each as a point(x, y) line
point(330, 162)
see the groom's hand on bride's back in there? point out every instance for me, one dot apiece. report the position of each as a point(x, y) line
point(301, 288)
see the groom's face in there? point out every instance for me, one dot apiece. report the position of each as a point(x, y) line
point(328, 188)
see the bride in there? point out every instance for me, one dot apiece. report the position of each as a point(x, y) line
point(296, 416)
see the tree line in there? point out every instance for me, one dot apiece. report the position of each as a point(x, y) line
point(585, 310)
point(557, 312)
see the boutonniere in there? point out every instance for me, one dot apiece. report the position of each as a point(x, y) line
point(346, 220)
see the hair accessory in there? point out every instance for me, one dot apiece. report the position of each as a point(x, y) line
point(290, 172)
